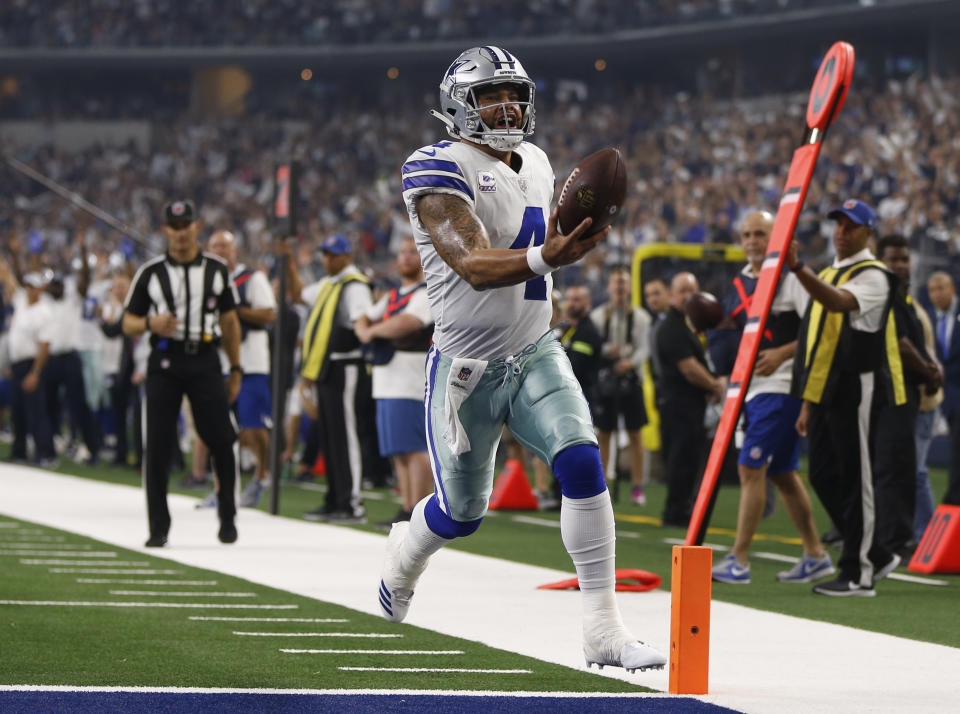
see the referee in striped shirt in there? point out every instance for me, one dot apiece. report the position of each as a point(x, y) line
point(187, 302)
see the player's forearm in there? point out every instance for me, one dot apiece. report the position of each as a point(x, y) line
point(230, 328)
point(494, 268)
point(461, 240)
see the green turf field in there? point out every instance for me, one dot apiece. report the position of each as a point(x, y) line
point(916, 611)
point(143, 643)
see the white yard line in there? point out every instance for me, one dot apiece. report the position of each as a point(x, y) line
point(762, 661)
point(135, 581)
point(379, 652)
point(113, 571)
point(268, 619)
point(436, 669)
point(98, 603)
point(159, 593)
point(62, 553)
point(361, 635)
point(336, 692)
point(54, 561)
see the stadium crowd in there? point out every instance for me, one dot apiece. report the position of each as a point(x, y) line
point(696, 167)
point(112, 23)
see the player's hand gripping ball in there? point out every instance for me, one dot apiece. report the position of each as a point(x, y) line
point(703, 310)
point(596, 188)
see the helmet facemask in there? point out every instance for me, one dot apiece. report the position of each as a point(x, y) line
point(472, 72)
point(504, 135)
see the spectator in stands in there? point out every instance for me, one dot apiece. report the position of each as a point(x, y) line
point(625, 331)
point(398, 330)
point(945, 317)
point(684, 384)
point(31, 332)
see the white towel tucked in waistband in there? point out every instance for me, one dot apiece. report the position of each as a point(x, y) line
point(463, 378)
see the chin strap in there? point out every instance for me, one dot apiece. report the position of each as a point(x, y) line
point(451, 127)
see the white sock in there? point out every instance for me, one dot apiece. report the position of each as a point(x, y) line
point(588, 532)
point(420, 542)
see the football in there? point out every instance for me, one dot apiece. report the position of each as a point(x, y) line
point(595, 189)
point(703, 310)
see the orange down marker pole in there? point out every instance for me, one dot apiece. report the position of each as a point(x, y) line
point(690, 619)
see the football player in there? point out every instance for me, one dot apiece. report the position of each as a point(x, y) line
point(480, 210)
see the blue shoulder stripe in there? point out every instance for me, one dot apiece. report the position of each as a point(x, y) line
point(436, 181)
point(428, 164)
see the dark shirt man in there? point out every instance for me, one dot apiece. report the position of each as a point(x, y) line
point(683, 387)
point(580, 338)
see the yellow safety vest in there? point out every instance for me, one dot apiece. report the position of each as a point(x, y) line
point(316, 336)
point(823, 331)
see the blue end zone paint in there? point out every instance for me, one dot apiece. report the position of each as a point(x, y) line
point(170, 703)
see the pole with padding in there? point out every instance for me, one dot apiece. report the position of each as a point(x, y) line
point(690, 619)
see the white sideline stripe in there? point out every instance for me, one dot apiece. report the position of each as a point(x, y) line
point(892, 576)
point(775, 556)
point(43, 546)
point(916, 579)
point(208, 605)
point(383, 652)
point(628, 534)
point(131, 563)
point(140, 581)
point(113, 571)
point(63, 553)
point(533, 521)
point(435, 669)
point(337, 692)
point(9, 525)
point(156, 593)
point(370, 635)
point(267, 619)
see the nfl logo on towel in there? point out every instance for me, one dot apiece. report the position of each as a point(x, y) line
point(486, 181)
point(464, 374)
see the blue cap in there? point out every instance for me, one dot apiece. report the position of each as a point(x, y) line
point(338, 244)
point(857, 211)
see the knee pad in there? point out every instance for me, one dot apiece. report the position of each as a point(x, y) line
point(443, 525)
point(579, 471)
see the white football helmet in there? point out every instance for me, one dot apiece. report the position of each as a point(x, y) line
point(479, 67)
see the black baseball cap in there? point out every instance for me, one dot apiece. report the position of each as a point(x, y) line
point(179, 213)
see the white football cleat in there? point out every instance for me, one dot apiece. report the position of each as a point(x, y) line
point(396, 586)
point(618, 648)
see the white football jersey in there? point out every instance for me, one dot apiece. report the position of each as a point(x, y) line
point(514, 208)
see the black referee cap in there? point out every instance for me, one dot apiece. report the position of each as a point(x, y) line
point(178, 213)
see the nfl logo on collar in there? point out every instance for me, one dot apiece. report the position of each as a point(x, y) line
point(177, 209)
point(464, 374)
